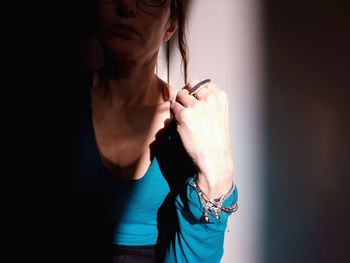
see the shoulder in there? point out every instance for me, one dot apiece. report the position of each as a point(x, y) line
point(169, 91)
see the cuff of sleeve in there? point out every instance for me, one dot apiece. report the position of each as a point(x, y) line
point(190, 208)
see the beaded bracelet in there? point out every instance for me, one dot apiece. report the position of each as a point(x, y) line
point(215, 206)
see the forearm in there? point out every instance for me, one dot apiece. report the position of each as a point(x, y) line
point(216, 177)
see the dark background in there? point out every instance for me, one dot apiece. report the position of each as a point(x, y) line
point(307, 96)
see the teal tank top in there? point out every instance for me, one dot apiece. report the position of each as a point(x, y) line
point(136, 207)
point(137, 210)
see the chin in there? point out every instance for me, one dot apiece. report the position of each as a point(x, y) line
point(124, 49)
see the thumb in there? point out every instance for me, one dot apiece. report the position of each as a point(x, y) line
point(176, 108)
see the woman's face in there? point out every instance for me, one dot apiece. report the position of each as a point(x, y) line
point(133, 31)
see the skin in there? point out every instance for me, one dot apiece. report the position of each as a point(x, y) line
point(131, 105)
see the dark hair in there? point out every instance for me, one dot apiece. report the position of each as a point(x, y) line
point(178, 11)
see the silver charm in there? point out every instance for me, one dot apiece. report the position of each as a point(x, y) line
point(205, 217)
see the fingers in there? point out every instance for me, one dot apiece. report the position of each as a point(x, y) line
point(203, 90)
point(202, 94)
point(198, 86)
point(205, 83)
point(184, 98)
point(176, 108)
point(189, 86)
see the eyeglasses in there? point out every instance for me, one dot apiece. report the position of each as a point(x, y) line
point(150, 3)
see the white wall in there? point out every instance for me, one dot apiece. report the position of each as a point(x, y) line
point(225, 45)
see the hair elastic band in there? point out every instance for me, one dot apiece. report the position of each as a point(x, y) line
point(199, 85)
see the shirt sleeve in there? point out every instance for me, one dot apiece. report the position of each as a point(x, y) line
point(196, 241)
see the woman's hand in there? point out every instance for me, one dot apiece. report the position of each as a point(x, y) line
point(203, 125)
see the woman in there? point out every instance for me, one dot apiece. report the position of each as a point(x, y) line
point(158, 158)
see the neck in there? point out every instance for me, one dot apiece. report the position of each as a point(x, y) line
point(130, 83)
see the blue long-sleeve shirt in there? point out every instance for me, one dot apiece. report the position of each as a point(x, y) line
point(195, 241)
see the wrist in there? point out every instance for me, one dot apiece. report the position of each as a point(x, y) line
point(215, 188)
point(215, 206)
point(215, 175)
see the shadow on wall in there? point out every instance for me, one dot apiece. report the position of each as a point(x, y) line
point(307, 131)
